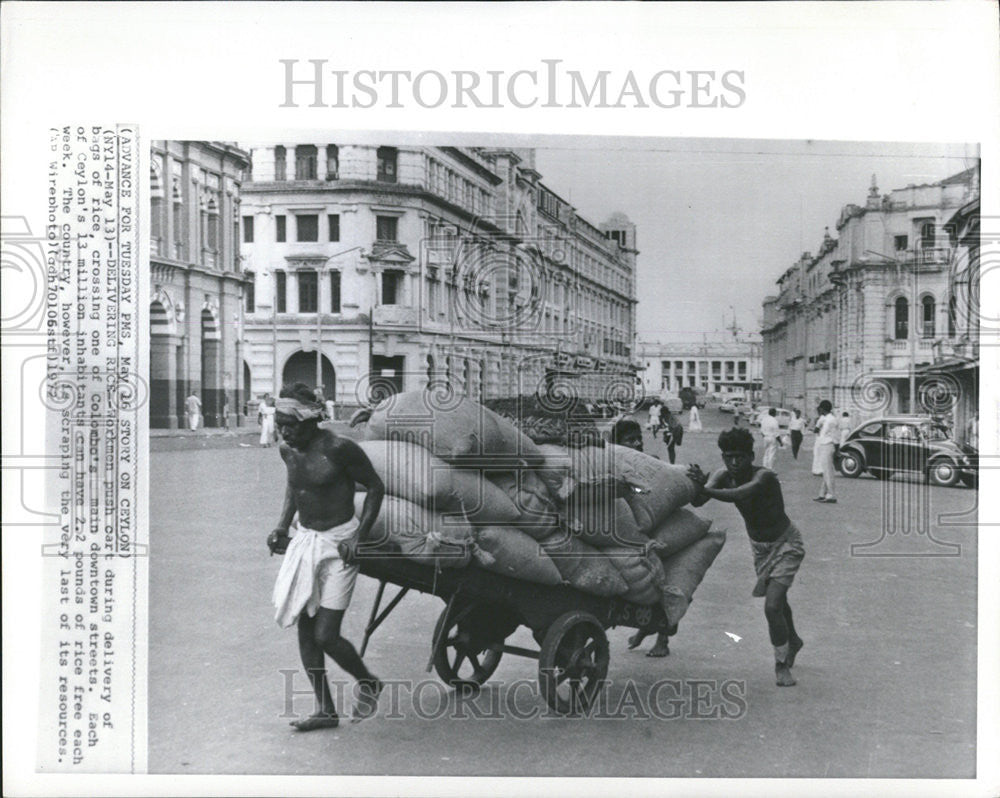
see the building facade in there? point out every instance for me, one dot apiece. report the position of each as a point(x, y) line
point(866, 321)
point(731, 367)
point(197, 281)
point(380, 268)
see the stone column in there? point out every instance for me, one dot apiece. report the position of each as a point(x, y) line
point(321, 162)
point(163, 394)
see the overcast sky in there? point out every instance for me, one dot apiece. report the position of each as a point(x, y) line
point(718, 221)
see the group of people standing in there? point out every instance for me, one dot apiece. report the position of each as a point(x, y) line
point(831, 433)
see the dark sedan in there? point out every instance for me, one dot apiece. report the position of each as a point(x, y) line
point(907, 445)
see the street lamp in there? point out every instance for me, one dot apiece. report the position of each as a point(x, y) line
point(319, 317)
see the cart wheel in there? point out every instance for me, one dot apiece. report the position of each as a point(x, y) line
point(461, 661)
point(573, 662)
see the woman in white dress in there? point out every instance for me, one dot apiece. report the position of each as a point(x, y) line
point(267, 436)
point(694, 419)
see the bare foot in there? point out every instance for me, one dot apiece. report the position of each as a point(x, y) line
point(321, 720)
point(661, 648)
point(367, 703)
point(636, 640)
point(783, 675)
point(793, 648)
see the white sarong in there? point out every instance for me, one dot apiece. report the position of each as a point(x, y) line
point(312, 574)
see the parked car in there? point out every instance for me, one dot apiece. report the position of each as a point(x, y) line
point(745, 410)
point(784, 415)
point(729, 406)
point(908, 445)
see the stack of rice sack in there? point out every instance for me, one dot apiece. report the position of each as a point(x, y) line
point(464, 484)
point(619, 499)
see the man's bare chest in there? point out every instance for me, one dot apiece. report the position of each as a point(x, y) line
point(314, 469)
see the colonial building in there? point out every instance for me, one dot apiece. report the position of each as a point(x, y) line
point(865, 320)
point(730, 367)
point(197, 280)
point(956, 357)
point(381, 268)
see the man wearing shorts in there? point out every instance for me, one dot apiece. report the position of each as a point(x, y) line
point(317, 576)
point(777, 544)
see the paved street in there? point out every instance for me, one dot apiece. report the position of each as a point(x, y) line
point(887, 678)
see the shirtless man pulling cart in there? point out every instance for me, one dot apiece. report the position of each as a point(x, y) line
point(317, 576)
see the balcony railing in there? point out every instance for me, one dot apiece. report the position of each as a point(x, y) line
point(395, 314)
point(926, 256)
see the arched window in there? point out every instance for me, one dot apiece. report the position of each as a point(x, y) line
point(927, 307)
point(902, 319)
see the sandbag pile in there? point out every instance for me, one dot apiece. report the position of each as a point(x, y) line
point(465, 486)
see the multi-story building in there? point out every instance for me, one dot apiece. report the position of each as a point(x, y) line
point(865, 321)
point(197, 280)
point(415, 264)
point(729, 367)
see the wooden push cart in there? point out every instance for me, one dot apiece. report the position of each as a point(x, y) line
point(482, 609)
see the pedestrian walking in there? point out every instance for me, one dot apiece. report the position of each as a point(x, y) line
point(655, 409)
point(795, 426)
point(266, 414)
point(777, 544)
point(316, 581)
point(193, 406)
point(826, 441)
point(673, 433)
point(770, 429)
point(817, 470)
point(694, 419)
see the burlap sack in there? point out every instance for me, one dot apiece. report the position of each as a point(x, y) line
point(643, 574)
point(584, 567)
point(537, 514)
point(659, 488)
point(421, 535)
point(603, 526)
point(598, 476)
point(451, 427)
point(679, 530)
point(508, 551)
point(685, 570)
point(411, 472)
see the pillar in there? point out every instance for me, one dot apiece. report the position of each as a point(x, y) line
point(164, 411)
